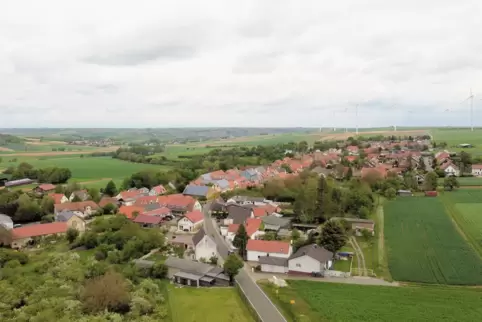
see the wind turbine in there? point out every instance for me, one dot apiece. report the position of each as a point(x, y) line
point(471, 98)
point(394, 125)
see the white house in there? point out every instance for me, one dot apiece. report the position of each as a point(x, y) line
point(259, 248)
point(191, 221)
point(204, 246)
point(309, 259)
point(252, 226)
point(450, 169)
point(477, 170)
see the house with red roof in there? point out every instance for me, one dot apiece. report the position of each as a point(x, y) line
point(129, 211)
point(128, 198)
point(352, 149)
point(157, 190)
point(450, 169)
point(257, 248)
point(22, 236)
point(147, 221)
point(179, 204)
point(58, 198)
point(44, 188)
point(259, 212)
point(191, 221)
point(477, 170)
point(81, 208)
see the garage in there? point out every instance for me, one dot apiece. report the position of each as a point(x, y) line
point(273, 264)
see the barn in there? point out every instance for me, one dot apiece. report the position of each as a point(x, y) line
point(273, 264)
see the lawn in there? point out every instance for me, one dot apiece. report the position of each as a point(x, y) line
point(91, 168)
point(465, 181)
point(315, 301)
point(342, 266)
point(207, 304)
point(424, 245)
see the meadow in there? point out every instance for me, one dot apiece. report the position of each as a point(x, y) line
point(88, 168)
point(314, 301)
point(465, 181)
point(207, 304)
point(456, 136)
point(424, 245)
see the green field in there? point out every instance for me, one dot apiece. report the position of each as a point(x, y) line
point(465, 181)
point(89, 168)
point(456, 136)
point(314, 301)
point(425, 246)
point(207, 304)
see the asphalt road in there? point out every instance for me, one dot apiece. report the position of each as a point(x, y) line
point(261, 303)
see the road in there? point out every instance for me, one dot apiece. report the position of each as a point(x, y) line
point(261, 303)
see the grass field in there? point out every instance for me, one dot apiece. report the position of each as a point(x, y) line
point(465, 181)
point(456, 136)
point(207, 304)
point(89, 168)
point(314, 301)
point(425, 246)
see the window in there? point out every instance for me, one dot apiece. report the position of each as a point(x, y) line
point(298, 265)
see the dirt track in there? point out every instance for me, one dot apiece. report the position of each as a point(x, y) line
point(40, 154)
point(5, 149)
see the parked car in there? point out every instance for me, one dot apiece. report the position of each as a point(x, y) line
point(316, 274)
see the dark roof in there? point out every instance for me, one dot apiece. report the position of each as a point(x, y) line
point(217, 206)
point(276, 221)
point(152, 206)
point(198, 236)
point(199, 191)
point(65, 215)
point(187, 265)
point(270, 260)
point(145, 219)
point(247, 198)
point(314, 251)
point(238, 214)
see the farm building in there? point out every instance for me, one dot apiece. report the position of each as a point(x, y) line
point(404, 193)
point(18, 182)
point(357, 224)
point(477, 170)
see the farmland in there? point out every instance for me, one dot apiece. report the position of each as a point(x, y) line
point(424, 245)
point(89, 168)
point(314, 301)
point(190, 305)
point(455, 136)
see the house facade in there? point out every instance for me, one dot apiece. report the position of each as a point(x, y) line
point(204, 246)
point(477, 170)
point(191, 221)
point(310, 259)
point(272, 248)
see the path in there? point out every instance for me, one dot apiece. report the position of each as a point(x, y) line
point(358, 261)
point(381, 235)
point(266, 310)
point(358, 280)
point(359, 255)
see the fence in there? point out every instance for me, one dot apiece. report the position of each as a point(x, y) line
point(248, 303)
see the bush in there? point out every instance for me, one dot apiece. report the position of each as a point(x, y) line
point(159, 270)
point(72, 235)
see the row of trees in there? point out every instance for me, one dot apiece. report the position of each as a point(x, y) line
point(51, 174)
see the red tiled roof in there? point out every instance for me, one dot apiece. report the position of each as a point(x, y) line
point(107, 200)
point(442, 155)
point(57, 197)
point(129, 194)
point(47, 187)
point(76, 206)
point(159, 189)
point(379, 171)
point(158, 212)
point(177, 200)
point(39, 230)
point(145, 219)
point(252, 225)
point(446, 165)
point(194, 216)
point(145, 200)
point(476, 166)
point(351, 158)
point(259, 212)
point(268, 246)
point(129, 210)
point(233, 228)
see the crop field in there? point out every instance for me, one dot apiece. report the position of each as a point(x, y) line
point(314, 301)
point(466, 181)
point(209, 305)
point(424, 245)
point(456, 136)
point(90, 168)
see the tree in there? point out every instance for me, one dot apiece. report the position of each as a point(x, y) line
point(430, 183)
point(107, 292)
point(241, 240)
point(232, 265)
point(76, 198)
point(451, 183)
point(72, 235)
point(213, 260)
point(390, 193)
point(47, 205)
point(109, 209)
point(320, 209)
point(110, 189)
point(295, 235)
point(333, 236)
point(159, 270)
point(94, 194)
point(28, 210)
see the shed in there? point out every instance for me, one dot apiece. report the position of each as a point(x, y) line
point(273, 264)
point(431, 193)
point(404, 193)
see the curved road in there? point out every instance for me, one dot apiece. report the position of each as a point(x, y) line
point(267, 311)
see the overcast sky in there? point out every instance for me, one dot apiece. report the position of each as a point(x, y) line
point(245, 63)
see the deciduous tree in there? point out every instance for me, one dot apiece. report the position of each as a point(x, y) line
point(110, 189)
point(232, 265)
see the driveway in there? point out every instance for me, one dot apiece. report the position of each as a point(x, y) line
point(267, 311)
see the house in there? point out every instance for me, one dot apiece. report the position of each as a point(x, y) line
point(191, 221)
point(58, 198)
point(450, 169)
point(82, 195)
point(273, 264)
point(357, 224)
point(197, 191)
point(204, 246)
point(84, 208)
point(147, 221)
point(44, 188)
point(157, 190)
point(352, 149)
point(246, 200)
point(237, 214)
point(187, 272)
point(129, 197)
point(259, 212)
point(108, 200)
point(477, 170)
point(6, 221)
point(259, 248)
point(310, 259)
point(162, 212)
point(253, 226)
point(179, 204)
point(275, 223)
point(22, 236)
point(130, 211)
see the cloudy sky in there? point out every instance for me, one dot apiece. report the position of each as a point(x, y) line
point(245, 63)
